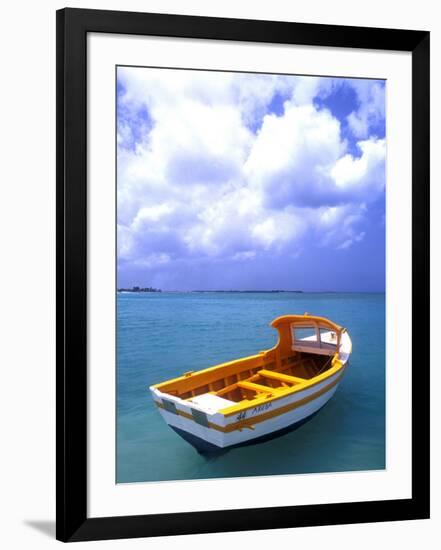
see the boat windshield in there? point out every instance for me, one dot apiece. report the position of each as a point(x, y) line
point(314, 337)
point(302, 334)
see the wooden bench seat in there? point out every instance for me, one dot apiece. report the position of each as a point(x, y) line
point(281, 377)
point(254, 387)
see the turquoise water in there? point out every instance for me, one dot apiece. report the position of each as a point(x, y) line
point(162, 335)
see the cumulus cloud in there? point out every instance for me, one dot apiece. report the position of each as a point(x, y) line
point(292, 154)
point(371, 111)
point(209, 170)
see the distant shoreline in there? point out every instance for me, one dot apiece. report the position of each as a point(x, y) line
point(137, 289)
point(144, 291)
point(250, 291)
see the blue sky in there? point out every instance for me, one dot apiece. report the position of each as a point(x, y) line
point(250, 181)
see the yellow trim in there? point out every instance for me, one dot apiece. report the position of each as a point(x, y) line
point(254, 361)
point(245, 372)
point(285, 408)
point(200, 374)
point(282, 377)
point(249, 422)
point(254, 387)
point(238, 407)
point(305, 320)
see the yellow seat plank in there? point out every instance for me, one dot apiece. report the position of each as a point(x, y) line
point(281, 377)
point(255, 387)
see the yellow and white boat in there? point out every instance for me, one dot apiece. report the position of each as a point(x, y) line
point(262, 396)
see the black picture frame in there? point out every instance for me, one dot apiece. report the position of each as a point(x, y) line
point(71, 157)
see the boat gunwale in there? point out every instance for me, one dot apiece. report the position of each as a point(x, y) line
point(209, 369)
point(340, 364)
point(263, 416)
point(246, 405)
point(251, 404)
point(340, 358)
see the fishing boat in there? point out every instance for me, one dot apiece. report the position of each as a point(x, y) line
point(262, 396)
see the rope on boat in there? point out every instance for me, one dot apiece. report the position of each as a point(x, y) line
point(325, 365)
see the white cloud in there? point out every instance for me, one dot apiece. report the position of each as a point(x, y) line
point(201, 183)
point(371, 111)
point(292, 154)
point(245, 255)
point(349, 242)
point(152, 260)
point(362, 174)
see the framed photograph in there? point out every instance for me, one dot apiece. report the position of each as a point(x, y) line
point(242, 274)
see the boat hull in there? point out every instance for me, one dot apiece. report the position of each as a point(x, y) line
point(281, 416)
point(203, 447)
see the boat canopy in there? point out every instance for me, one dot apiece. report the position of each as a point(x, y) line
point(308, 333)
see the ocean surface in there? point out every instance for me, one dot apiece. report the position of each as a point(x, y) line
point(162, 335)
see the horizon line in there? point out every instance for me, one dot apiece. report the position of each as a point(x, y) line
point(158, 291)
